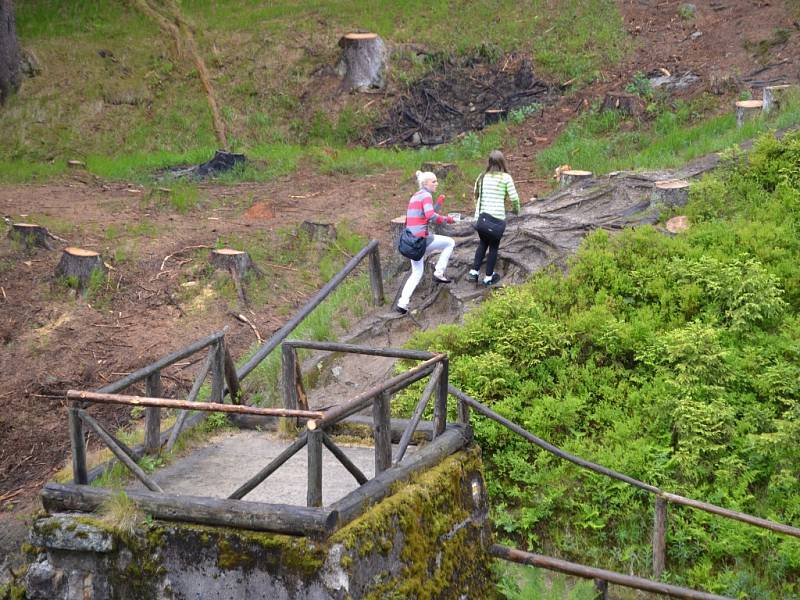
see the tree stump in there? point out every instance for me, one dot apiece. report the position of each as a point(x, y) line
point(363, 62)
point(567, 178)
point(77, 265)
point(319, 232)
point(493, 115)
point(747, 110)
point(773, 95)
point(628, 104)
point(677, 224)
point(238, 264)
point(396, 227)
point(674, 192)
point(31, 235)
point(440, 169)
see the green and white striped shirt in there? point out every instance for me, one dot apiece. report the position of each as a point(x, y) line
point(494, 189)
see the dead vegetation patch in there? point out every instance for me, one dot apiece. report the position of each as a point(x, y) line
point(460, 95)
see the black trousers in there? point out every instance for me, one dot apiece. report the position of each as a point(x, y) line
point(486, 243)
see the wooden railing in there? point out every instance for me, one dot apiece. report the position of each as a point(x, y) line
point(661, 499)
point(224, 374)
point(313, 520)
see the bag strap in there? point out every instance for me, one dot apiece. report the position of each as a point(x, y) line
point(480, 191)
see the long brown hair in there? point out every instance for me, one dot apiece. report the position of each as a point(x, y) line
point(497, 162)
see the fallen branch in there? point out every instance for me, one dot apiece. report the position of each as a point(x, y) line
point(247, 321)
point(168, 256)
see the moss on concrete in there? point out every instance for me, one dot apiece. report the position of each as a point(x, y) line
point(432, 518)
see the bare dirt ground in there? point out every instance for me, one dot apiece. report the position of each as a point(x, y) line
point(51, 343)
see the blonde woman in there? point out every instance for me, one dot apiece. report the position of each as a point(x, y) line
point(421, 211)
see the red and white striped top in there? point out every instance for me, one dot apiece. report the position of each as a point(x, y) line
point(421, 212)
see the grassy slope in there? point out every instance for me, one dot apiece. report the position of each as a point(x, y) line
point(144, 107)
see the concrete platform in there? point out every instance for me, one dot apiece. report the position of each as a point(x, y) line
point(230, 459)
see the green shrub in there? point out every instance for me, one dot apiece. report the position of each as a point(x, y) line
point(674, 360)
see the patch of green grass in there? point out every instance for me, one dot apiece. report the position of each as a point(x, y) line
point(25, 171)
point(517, 582)
point(128, 106)
point(598, 142)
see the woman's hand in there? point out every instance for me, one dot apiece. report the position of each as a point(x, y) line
point(440, 201)
point(450, 219)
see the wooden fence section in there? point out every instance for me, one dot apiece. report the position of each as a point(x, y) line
point(578, 570)
point(661, 497)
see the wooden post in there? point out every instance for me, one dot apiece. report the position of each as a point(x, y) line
point(230, 377)
point(314, 494)
point(376, 277)
point(440, 407)
point(463, 413)
point(773, 95)
point(218, 372)
point(570, 176)
point(659, 537)
point(152, 415)
point(405, 439)
point(674, 192)
point(601, 585)
point(79, 472)
point(382, 427)
point(289, 384)
point(198, 382)
point(747, 110)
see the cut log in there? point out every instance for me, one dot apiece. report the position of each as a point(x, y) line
point(363, 61)
point(319, 232)
point(628, 104)
point(567, 178)
point(77, 265)
point(238, 264)
point(493, 115)
point(31, 235)
point(747, 110)
point(440, 169)
point(773, 95)
point(673, 192)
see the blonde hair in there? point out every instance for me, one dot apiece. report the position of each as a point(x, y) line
point(423, 176)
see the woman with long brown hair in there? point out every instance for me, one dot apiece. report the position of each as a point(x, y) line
point(491, 189)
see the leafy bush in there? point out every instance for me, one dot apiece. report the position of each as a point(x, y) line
point(674, 360)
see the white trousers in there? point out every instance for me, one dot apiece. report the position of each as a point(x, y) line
point(440, 242)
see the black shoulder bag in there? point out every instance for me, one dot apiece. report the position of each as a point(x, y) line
point(411, 246)
point(490, 226)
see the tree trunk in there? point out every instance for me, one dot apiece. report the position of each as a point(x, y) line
point(30, 234)
point(9, 51)
point(747, 110)
point(397, 226)
point(363, 62)
point(567, 178)
point(79, 264)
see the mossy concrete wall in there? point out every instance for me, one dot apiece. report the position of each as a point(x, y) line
point(429, 539)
